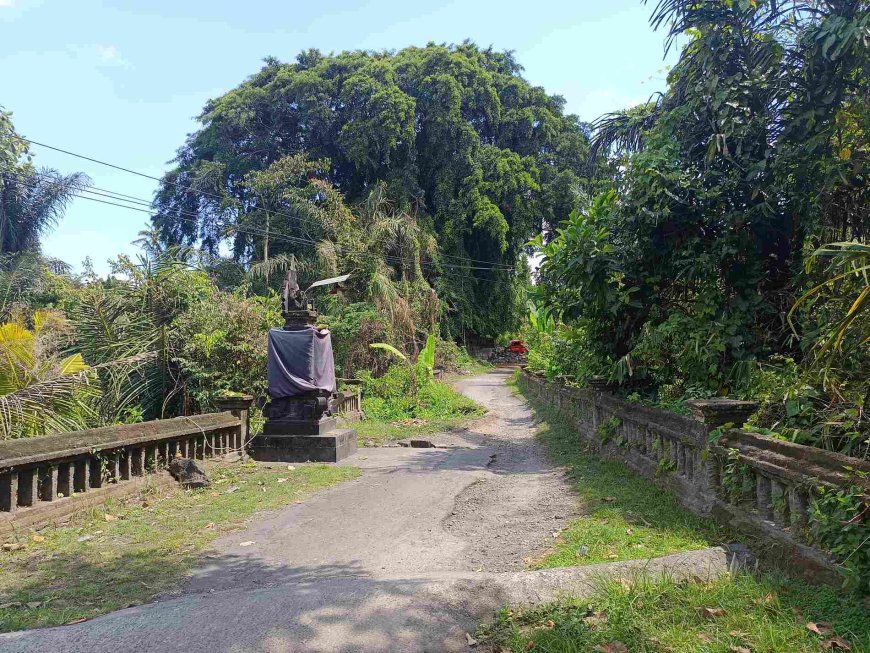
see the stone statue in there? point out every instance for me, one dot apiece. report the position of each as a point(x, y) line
point(292, 297)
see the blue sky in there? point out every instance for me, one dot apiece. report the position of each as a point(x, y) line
point(123, 81)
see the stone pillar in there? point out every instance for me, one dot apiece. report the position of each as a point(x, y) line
point(240, 407)
point(713, 413)
point(718, 412)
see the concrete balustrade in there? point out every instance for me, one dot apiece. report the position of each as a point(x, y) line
point(48, 477)
point(677, 452)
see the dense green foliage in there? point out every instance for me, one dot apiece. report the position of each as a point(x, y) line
point(404, 393)
point(467, 152)
point(679, 281)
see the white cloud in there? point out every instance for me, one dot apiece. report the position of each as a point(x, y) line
point(109, 55)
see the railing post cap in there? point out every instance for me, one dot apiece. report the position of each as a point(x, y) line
point(716, 412)
point(234, 402)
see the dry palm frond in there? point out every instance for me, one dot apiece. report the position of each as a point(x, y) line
point(59, 403)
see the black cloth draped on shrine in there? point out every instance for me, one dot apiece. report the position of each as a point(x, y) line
point(300, 362)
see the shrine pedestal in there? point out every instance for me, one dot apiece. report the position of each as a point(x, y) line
point(330, 447)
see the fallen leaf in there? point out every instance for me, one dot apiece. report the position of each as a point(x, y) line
point(33, 604)
point(819, 628)
point(626, 584)
point(38, 538)
point(767, 598)
point(12, 546)
point(232, 489)
point(248, 543)
point(109, 517)
point(613, 647)
point(711, 613)
point(470, 640)
point(596, 619)
point(704, 637)
point(628, 531)
point(208, 526)
point(76, 621)
point(550, 624)
point(739, 649)
point(609, 499)
point(85, 538)
point(836, 642)
point(291, 467)
point(282, 480)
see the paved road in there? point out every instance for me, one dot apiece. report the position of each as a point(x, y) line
point(409, 557)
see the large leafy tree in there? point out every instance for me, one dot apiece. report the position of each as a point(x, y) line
point(453, 135)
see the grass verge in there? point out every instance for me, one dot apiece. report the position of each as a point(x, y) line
point(394, 412)
point(626, 516)
point(125, 553)
point(743, 614)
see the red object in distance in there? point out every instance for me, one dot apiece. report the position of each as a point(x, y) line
point(517, 347)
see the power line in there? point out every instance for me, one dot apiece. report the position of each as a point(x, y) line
point(138, 203)
point(285, 237)
point(494, 264)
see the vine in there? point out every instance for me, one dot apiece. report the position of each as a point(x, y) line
point(607, 429)
point(838, 523)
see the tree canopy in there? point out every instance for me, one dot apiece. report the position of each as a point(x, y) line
point(452, 135)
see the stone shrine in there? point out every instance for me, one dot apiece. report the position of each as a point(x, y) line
point(300, 415)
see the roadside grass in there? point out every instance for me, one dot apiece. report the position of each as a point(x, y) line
point(126, 553)
point(626, 516)
point(393, 414)
point(771, 614)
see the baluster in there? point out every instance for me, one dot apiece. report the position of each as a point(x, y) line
point(762, 495)
point(779, 503)
point(797, 508)
point(48, 483)
point(137, 463)
point(126, 464)
point(96, 472)
point(713, 473)
point(9, 491)
point(151, 458)
point(114, 463)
